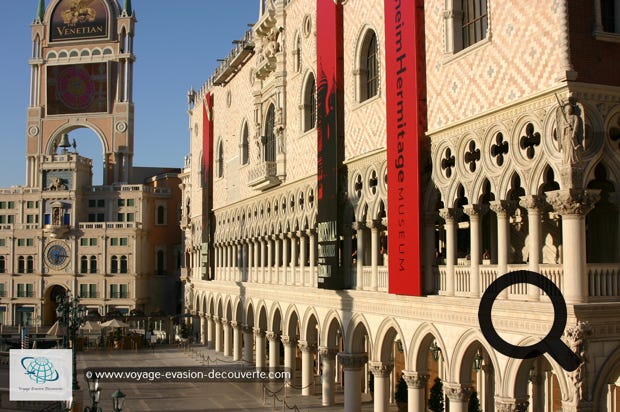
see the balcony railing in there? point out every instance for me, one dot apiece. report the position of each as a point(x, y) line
point(263, 175)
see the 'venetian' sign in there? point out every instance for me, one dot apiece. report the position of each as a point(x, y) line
point(79, 19)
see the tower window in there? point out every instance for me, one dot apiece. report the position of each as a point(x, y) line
point(269, 144)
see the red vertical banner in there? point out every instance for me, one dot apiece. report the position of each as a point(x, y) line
point(330, 141)
point(207, 187)
point(406, 123)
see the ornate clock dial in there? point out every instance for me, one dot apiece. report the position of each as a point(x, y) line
point(57, 256)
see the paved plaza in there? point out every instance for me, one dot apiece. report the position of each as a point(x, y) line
point(233, 397)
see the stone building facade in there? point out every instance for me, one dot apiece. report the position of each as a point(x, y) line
point(116, 246)
point(524, 163)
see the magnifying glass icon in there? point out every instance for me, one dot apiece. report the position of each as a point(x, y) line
point(551, 344)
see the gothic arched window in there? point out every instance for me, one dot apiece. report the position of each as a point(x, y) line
point(270, 137)
point(220, 159)
point(369, 67)
point(245, 144)
point(309, 104)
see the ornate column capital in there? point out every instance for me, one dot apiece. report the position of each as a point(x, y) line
point(328, 353)
point(573, 201)
point(358, 225)
point(457, 392)
point(310, 232)
point(352, 360)
point(258, 332)
point(234, 323)
point(450, 214)
point(476, 210)
point(306, 346)
point(375, 224)
point(380, 369)
point(533, 202)
point(246, 328)
point(224, 322)
point(503, 208)
point(511, 405)
point(271, 336)
point(287, 340)
point(415, 380)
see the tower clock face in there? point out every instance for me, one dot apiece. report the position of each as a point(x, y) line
point(76, 88)
point(57, 255)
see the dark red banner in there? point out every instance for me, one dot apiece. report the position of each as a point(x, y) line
point(207, 187)
point(330, 141)
point(406, 124)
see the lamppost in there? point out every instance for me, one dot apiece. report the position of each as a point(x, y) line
point(118, 399)
point(71, 315)
point(94, 391)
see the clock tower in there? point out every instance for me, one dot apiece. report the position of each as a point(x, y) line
point(81, 77)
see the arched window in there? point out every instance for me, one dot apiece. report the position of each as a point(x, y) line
point(298, 54)
point(474, 25)
point(270, 137)
point(161, 269)
point(93, 264)
point(30, 264)
point(21, 264)
point(2, 264)
point(83, 264)
point(161, 215)
point(245, 144)
point(220, 160)
point(123, 264)
point(369, 73)
point(114, 265)
point(309, 104)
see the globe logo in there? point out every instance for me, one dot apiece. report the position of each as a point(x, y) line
point(39, 370)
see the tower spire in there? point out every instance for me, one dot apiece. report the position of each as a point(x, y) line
point(40, 12)
point(127, 8)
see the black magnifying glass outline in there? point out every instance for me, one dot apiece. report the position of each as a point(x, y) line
point(552, 343)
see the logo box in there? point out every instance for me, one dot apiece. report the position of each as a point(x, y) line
point(40, 374)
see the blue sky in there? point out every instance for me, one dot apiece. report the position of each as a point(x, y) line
point(177, 45)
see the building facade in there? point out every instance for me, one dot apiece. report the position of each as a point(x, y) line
point(116, 246)
point(519, 165)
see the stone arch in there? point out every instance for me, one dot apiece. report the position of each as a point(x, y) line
point(357, 328)
point(249, 314)
point(361, 49)
point(310, 326)
point(261, 318)
point(219, 309)
point(463, 357)
point(275, 318)
point(74, 125)
point(291, 324)
point(387, 333)
point(422, 339)
point(332, 330)
point(610, 368)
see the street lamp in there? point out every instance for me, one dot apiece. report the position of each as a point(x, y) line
point(118, 399)
point(478, 361)
point(94, 391)
point(435, 350)
point(71, 315)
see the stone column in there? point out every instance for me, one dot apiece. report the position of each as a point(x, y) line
point(312, 256)
point(307, 368)
point(235, 261)
point(302, 257)
point(450, 215)
point(259, 345)
point(251, 261)
point(534, 206)
point(573, 205)
point(537, 399)
point(269, 260)
point(293, 265)
point(381, 376)
point(203, 329)
point(218, 334)
point(328, 361)
point(236, 332)
point(359, 274)
point(261, 260)
point(256, 259)
point(458, 396)
point(475, 213)
point(285, 260)
point(416, 390)
point(227, 338)
point(289, 353)
point(375, 228)
point(247, 344)
point(353, 364)
point(504, 209)
point(210, 330)
point(274, 349)
point(230, 268)
point(276, 265)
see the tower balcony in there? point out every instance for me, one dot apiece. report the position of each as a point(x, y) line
point(56, 231)
point(263, 176)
